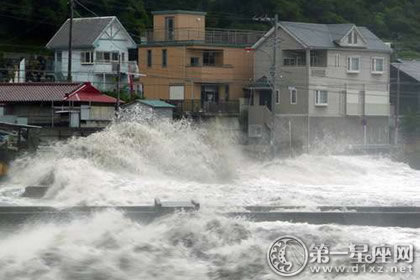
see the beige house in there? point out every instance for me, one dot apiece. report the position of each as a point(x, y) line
point(199, 70)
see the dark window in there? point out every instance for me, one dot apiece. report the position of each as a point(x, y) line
point(114, 56)
point(195, 61)
point(169, 27)
point(107, 56)
point(149, 58)
point(59, 56)
point(209, 58)
point(164, 58)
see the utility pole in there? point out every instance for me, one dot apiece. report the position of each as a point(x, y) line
point(397, 108)
point(117, 106)
point(71, 3)
point(273, 71)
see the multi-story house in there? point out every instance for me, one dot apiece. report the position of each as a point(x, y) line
point(200, 70)
point(332, 82)
point(405, 79)
point(99, 44)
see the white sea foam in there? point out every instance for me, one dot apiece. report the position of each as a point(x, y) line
point(131, 163)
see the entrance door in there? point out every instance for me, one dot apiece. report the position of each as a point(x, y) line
point(265, 98)
point(209, 94)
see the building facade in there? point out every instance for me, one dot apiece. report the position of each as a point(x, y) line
point(55, 105)
point(332, 82)
point(99, 45)
point(199, 70)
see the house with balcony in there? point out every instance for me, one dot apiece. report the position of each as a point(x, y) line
point(332, 82)
point(100, 46)
point(405, 78)
point(201, 71)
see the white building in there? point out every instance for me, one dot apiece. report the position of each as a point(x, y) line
point(98, 43)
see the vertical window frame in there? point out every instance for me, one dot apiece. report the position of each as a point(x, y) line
point(149, 58)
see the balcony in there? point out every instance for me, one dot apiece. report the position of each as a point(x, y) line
point(211, 36)
point(196, 107)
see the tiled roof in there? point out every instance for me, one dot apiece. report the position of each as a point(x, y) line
point(48, 92)
point(85, 32)
point(33, 92)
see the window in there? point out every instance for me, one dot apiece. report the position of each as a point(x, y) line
point(209, 58)
point(353, 64)
point(321, 98)
point(86, 57)
point(114, 56)
point(107, 57)
point(164, 58)
point(149, 58)
point(195, 61)
point(352, 38)
point(59, 56)
point(337, 60)
point(277, 96)
point(169, 28)
point(293, 95)
point(378, 65)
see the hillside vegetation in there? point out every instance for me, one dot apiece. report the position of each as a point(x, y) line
point(33, 22)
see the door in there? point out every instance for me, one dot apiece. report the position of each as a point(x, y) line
point(74, 119)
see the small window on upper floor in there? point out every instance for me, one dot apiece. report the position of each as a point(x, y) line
point(164, 58)
point(149, 58)
point(59, 56)
point(353, 64)
point(352, 38)
point(86, 57)
point(209, 58)
point(293, 95)
point(277, 96)
point(321, 98)
point(195, 61)
point(378, 65)
point(337, 60)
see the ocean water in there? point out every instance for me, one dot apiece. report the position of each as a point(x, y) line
point(131, 163)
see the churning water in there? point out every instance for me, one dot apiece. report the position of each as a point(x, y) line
point(132, 163)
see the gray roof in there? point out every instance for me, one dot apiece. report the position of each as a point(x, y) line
point(85, 32)
point(409, 67)
point(325, 36)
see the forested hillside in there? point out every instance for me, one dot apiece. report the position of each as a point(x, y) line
point(33, 22)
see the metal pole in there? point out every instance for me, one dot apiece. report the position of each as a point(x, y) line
point(364, 121)
point(274, 83)
point(69, 79)
point(290, 138)
point(118, 84)
point(397, 108)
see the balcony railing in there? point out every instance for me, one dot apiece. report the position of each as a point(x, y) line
point(209, 36)
point(207, 108)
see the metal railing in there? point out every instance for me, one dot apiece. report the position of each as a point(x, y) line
point(207, 108)
point(209, 36)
